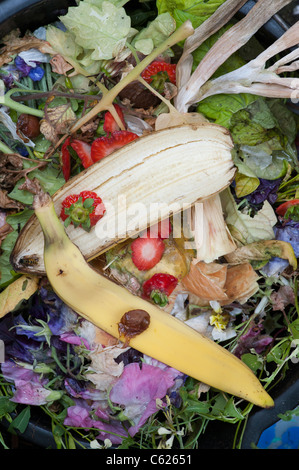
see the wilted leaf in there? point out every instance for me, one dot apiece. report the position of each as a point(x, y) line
point(57, 121)
point(14, 45)
point(282, 298)
point(8, 203)
point(21, 289)
point(262, 251)
point(60, 65)
point(242, 226)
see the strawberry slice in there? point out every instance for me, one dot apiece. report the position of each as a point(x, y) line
point(147, 252)
point(110, 125)
point(83, 150)
point(159, 287)
point(159, 72)
point(66, 159)
point(105, 145)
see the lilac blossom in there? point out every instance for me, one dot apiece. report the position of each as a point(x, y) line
point(138, 389)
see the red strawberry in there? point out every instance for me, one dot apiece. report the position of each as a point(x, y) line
point(159, 287)
point(66, 159)
point(105, 145)
point(82, 210)
point(83, 150)
point(110, 125)
point(160, 230)
point(159, 72)
point(147, 252)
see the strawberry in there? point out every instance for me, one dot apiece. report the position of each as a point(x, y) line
point(110, 125)
point(83, 150)
point(82, 210)
point(159, 287)
point(105, 145)
point(147, 252)
point(159, 72)
point(160, 230)
point(66, 159)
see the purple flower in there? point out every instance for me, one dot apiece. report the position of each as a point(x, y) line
point(253, 339)
point(79, 415)
point(29, 386)
point(138, 389)
point(78, 390)
point(36, 73)
point(267, 190)
point(22, 66)
point(289, 232)
point(72, 338)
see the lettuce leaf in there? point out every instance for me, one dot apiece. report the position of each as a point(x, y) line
point(63, 42)
point(244, 228)
point(155, 33)
point(195, 11)
point(220, 108)
point(103, 30)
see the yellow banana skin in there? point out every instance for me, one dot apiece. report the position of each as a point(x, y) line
point(167, 339)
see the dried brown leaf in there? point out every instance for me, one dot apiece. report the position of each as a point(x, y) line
point(30, 185)
point(282, 298)
point(8, 203)
point(14, 45)
point(57, 121)
point(60, 65)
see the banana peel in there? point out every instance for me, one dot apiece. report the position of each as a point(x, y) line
point(167, 339)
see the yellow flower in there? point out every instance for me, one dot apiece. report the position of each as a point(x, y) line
point(220, 321)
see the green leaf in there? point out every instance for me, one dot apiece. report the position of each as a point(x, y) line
point(195, 11)
point(265, 162)
point(21, 422)
point(50, 179)
point(103, 30)
point(6, 406)
point(63, 42)
point(252, 361)
point(243, 227)
point(155, 33)
point(220, 108)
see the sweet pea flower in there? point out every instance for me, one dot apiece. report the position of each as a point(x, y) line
point(79, 415)
point(29, 386)
point(138, 389)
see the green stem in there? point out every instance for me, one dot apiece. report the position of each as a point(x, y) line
point(19, 107)
point(5, 149)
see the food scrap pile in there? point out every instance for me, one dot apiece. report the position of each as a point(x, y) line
point(70, 96)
